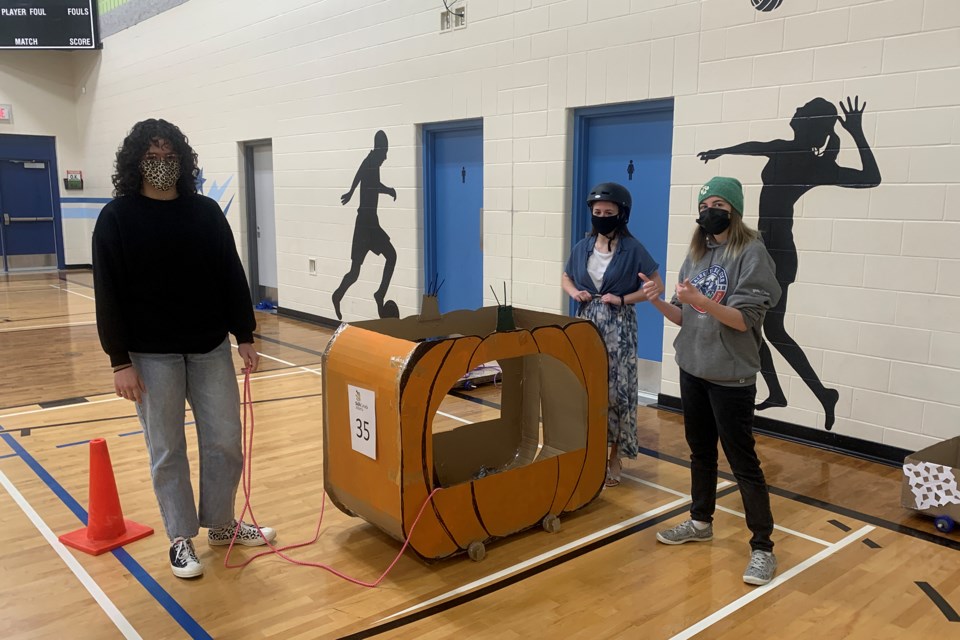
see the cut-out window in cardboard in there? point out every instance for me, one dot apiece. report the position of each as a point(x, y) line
point(495, 477)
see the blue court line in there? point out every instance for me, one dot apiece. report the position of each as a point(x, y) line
point(72, 444)
point(77, 213)
point(131, 433)
point(94, 200)
point(9, 455)
point(178, 613)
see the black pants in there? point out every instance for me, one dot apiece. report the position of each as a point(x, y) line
point(712, 411)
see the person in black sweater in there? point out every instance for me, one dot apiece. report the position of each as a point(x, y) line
point(169, 288)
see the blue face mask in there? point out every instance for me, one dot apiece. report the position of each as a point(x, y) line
point(714, 220)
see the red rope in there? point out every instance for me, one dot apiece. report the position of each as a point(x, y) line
point(246, 482)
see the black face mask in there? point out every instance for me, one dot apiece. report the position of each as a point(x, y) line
point(605, 225)
point(714, 220)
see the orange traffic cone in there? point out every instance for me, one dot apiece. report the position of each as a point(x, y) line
point(106, 529)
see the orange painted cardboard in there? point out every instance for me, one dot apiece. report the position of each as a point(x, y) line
point(496, 478)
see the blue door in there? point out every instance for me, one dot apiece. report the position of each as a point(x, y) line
point(453, 204)
point(29, 204)
point(630, 144)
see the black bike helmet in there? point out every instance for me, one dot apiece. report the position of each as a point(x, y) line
point(612, 192)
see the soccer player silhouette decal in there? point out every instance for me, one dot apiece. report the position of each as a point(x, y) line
point(794, 167)
point(368, 235)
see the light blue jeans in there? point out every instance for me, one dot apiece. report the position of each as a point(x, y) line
point(208, 382)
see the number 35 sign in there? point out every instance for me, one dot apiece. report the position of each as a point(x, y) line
point(363, 421)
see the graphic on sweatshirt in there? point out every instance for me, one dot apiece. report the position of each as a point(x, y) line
point(795, 166)
point(711, 282)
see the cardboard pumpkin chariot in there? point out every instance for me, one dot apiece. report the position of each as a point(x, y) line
point(544, 456)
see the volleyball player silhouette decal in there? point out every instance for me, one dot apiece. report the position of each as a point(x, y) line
point(765, 5)
point(794, 167)
point(368, 235)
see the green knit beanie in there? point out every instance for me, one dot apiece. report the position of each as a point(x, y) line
point(729, 189)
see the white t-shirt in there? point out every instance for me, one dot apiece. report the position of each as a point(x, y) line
point(597, 265)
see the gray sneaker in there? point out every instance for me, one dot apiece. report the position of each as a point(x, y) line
point(685, 532)
point(761, 569)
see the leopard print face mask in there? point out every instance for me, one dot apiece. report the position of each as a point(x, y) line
point(162, 174)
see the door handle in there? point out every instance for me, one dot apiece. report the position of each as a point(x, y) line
point(8, 219)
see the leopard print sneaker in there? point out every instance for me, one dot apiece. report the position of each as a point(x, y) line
point(247, 535)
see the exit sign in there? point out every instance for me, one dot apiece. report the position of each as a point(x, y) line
point(6, 113)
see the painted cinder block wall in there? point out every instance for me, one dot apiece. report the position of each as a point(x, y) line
point(876, 300)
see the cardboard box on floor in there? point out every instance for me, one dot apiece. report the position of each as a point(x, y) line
point(384, 381)
point(936, 481)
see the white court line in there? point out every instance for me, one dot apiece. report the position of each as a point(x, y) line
point(56, 286)
point(453, 417)
point(792, 532)
point(275, 375)
point(64, 406)
point(105, 603)
point(49, 326)
point(289, 364)
point(739, 603)
point(540, 558)
point(724, 485)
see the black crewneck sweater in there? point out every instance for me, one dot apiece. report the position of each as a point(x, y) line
point(167, 277)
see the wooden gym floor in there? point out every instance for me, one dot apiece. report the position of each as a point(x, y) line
point(853, 563)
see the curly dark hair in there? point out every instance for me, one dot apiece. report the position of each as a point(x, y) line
point(128, 179)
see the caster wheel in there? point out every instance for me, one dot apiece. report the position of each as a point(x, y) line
point(551, 524)
point(944, 524)
point(477, 551)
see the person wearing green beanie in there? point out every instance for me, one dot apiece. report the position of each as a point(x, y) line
point(729, 189)
point(725, 287)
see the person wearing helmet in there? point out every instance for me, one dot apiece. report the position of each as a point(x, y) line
point(727, 283)
point(601, 275)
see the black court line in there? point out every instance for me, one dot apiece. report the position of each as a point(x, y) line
point(26, 430)
point(62, 315)
point(72, 444)
point(792, 495)
point(463, 396)
point(827, 506)
point(526, 573)
point(47, 288)
point(260, 336)
point(63, 402)
point(839, 525)
point(104, 393)
point(82, 284)
point(870, 543)
point(940, 601)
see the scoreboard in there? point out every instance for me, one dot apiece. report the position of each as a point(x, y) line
point(49, 24)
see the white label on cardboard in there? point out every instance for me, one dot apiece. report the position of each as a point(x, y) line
point(363, 420)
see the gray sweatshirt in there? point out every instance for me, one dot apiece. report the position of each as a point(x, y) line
point(706, 347)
